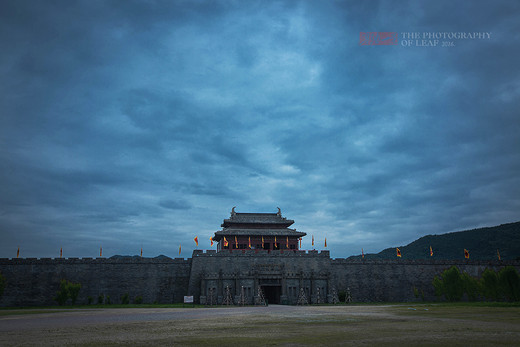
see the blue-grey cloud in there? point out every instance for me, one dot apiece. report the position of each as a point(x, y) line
point(135, 124)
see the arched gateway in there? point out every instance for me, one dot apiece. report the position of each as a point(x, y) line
point(259, 251)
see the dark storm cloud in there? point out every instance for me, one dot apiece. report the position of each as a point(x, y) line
point(136, 124)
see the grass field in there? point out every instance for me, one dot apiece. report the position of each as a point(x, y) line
point(426, 324)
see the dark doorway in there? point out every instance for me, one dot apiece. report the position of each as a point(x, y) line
point(272, 294)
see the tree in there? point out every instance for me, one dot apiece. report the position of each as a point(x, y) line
point(74, 289)
point(63, 294)
point(489, 285)
point(471, 286)
point(437, 285)
point(509, 283)
point(453, 284)
point(67, 290)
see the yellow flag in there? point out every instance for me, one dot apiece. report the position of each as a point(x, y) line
point(398, 252)
point(249, 242)
point(262, 242)
point(287, 243)
point(196, 239)
point(211, 239)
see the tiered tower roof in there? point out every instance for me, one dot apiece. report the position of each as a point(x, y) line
point(257, 224)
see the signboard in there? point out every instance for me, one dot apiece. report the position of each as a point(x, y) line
point(188, 299)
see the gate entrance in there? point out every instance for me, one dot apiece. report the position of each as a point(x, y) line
point(272, 293)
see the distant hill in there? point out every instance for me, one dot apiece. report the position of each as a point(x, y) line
point(481, 243)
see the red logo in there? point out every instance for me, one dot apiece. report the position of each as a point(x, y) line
point(378, 38)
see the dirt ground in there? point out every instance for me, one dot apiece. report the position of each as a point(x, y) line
point(259, 326)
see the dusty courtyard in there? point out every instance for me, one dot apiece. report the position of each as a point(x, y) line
point(273, 325)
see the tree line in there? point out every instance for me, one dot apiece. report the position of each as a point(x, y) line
point(503, 285)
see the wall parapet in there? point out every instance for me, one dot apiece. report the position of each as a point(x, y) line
point(78, 261)
point(344, 261)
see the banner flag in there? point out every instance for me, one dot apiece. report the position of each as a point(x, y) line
point(287, 243)
point(179, 249)
point(466, 253)
point(196, 239)
point(61, 252)
point(325, 242)
point(262, 242)
point(431, 251)
point(312, 240)
point(226, 243)
point(249, 243)
point(18, 252)
point(398, 252)
point(498, 253)
point(362, 253)
point(274, 246)
point(211, 240)
point(236, 242)
point(300, 243)
point(141, 252)
point(100, 251)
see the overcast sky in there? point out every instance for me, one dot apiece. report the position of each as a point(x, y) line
point(129, 124)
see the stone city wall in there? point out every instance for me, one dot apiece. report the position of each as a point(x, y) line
point(394, 280)
point(34, 282)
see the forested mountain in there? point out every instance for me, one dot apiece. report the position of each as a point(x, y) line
point(481, 243)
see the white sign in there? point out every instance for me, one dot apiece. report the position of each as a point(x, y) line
point(188, 299)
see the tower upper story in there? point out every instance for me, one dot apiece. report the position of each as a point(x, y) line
point(257, 225)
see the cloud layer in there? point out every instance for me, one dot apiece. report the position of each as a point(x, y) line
point(135, 124)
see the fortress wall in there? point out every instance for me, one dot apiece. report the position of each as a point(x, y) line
point(35, 282)
point(394, 280)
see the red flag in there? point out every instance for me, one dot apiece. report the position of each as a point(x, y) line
point(226, 243)
point(249, 244)
point(362, 253)
point(100, 251)
point(179, 249)
point(398, 252)
point(236, 242)
point(300, 242)
point(431, 251)
point(325, 242)
point(211, 239)
point(196, 239)
point(287, 243)
point(312, 240)
point(61, 252)
point(498, 253)
point(466, 253)
point(18, 252)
